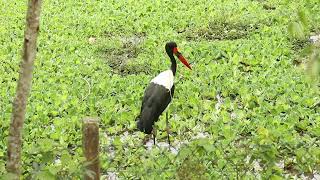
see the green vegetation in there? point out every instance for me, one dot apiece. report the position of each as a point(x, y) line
point(248, 92)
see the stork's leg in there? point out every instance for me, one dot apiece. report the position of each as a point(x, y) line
point(154, 133)
point(168, 128)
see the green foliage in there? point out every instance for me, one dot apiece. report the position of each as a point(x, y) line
point(300, 30)
point(259, 112)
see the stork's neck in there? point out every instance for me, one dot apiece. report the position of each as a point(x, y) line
point(173, 64)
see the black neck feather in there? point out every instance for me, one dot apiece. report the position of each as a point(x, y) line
point(173, 64)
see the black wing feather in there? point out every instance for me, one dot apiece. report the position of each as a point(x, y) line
point(155, 101)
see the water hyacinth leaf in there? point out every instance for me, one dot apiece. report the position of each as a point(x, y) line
point(296, 30)
point(303, 18)
point(45, 175)
point(65, 158)
point(48, 157)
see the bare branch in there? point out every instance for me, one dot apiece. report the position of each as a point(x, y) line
point(23, 87)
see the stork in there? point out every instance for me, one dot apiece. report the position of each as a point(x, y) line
point(159, 93)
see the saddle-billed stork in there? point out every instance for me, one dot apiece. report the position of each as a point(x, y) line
point(159, 93)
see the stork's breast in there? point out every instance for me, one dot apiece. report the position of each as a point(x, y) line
point(165, 79)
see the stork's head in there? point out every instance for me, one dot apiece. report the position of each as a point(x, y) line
point(172, 49)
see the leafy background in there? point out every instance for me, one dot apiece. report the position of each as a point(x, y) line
point(247, 109)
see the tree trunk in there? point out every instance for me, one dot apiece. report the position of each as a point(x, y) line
point(23, 88)
point(91, 148)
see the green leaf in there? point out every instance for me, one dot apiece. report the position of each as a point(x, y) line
point(54, 169)
point(45, 175)
point(303, 18)
point(47, 157)
point(117, 141)
point(184, 152)
point(296, 30)
point(276, 177)
point(221, 163)
point(65, 158)
point(7, 176)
